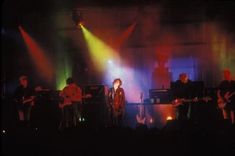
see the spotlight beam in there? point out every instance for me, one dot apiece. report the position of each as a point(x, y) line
point(38, 56)
point(100, 52)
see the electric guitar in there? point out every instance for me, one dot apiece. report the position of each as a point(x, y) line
point(28, 101)
point(225, 100)
point(140, 120)
point(182, 101)
point(66, 101)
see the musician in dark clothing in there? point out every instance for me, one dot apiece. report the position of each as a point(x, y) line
point(24, 98)
point(182, 89)
point(116, 102)
point(226, 96)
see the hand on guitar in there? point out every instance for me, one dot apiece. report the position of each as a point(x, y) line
point(177, 102)
point(223, 101)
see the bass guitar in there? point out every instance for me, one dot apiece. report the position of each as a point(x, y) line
point(26, 100)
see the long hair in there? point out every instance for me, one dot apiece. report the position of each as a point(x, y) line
point(116, 80)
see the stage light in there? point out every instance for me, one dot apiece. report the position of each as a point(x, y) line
point(81, 119)
point(80, 25)
point(3, 131)
point(77, 17)
point(169, 118)
point(107, 61)
point(110, 61)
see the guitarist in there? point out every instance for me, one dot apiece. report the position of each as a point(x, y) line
point(71, 105)
point(182, 89)
point(116, 103)
point(24, 98)
point(226, 96)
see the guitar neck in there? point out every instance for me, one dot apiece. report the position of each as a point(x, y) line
point(196, 99)
point(187, 100)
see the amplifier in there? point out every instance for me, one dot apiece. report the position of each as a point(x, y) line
point(95, 107)
point(97, 92)
point(160, 96)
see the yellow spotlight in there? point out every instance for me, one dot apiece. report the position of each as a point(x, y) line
point(100, 52)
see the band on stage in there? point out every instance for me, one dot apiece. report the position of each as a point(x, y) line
point(71, 100)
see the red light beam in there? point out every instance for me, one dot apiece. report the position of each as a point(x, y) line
point(38, 56)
